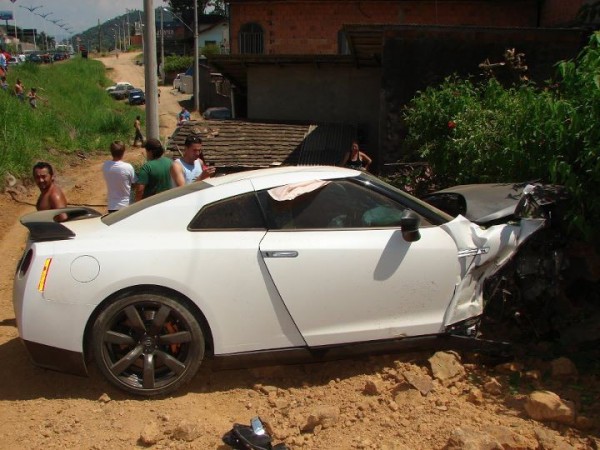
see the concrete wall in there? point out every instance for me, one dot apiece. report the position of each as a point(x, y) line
point(307, 93)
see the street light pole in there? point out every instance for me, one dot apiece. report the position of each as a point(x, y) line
point(162, 47)
point(124, 46)
point(150, 77)
point(196, 60)
point(128, 30)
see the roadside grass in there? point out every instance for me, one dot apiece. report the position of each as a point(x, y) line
point(74, 115)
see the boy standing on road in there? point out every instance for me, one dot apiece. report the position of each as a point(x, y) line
point(119, 177)
point(138, 131)
point(51, 196)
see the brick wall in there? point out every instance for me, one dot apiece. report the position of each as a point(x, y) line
point(556, 13)
point(308, 27)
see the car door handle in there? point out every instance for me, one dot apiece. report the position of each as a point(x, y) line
point(280, 254)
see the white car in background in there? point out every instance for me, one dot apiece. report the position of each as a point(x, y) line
point(291, 258)
point(121, 86)
point(177, 81)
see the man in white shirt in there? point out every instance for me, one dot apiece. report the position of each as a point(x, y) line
point(119, 177)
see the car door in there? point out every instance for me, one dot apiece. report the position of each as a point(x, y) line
point(344, 271)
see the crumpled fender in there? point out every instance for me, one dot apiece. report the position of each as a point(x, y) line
point(481, 253)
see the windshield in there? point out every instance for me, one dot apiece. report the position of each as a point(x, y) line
point(428, 211)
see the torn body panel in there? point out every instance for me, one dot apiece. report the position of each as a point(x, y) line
point(482, 252)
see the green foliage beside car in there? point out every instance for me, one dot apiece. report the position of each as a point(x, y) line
point(484, 132)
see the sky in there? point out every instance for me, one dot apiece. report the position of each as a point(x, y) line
point(79, 15)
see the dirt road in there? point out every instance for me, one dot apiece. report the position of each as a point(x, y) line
point(367, 403)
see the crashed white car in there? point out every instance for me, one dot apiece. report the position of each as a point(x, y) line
point(290, 258)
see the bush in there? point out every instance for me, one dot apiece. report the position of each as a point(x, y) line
point(483, 132)
point(178, 63)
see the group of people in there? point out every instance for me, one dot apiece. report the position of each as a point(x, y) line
point(158, 174)
point(19, 92)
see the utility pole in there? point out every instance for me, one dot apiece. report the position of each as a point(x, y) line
point(162, 46)
point(124, 40)
point(99, 37)
point(151, 80)
point(196, 60)
point(128, 30)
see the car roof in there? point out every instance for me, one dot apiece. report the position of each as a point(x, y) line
point(282, 172)
point(261, 179)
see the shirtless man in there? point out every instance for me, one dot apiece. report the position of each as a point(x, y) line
point(51, 196)
point(20, 90)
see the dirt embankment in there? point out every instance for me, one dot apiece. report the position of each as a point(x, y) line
point(384, 402)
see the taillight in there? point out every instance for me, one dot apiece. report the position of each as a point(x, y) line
point(44, 274)
point(25, 262)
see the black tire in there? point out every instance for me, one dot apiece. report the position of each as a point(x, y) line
point(147, 344)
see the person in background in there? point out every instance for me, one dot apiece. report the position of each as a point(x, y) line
point(19, 90)
point(3, 84)
point(119, 176)
point(138, 131)
point(191, 167)
point(356, 159)
point(183, 116)
point(51, 195)
point(155, 175)
point(3, 63)
point(33, 97)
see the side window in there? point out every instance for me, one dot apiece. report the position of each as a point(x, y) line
point(251, 39)
point(339, 204)
point(237, 213)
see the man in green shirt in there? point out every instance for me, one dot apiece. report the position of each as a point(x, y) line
point(155, 175)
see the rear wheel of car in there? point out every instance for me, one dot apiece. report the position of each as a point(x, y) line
point(147, 344)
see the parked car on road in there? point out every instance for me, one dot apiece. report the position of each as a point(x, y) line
point(177, 81)
point(292, 258)
point(219, 113)
point(121, 92)
point(136, 97)
point(13, 61)
point(120, 84)
point(34, 58)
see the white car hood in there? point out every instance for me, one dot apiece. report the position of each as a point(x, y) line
point(481, 253)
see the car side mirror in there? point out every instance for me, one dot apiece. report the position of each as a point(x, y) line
point(409, 224)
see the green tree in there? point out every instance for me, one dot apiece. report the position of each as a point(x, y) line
point(484, 132)
point(204, 6)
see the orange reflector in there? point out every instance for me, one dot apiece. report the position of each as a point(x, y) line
point(45, 269)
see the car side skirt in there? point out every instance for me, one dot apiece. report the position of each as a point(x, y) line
point(56, 358)
point(302, 355)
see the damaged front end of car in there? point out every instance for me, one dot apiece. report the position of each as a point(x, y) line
point(512, 266)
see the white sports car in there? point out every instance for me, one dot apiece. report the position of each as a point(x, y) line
point(291, 258)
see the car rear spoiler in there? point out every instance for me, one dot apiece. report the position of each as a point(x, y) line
point(43, 227)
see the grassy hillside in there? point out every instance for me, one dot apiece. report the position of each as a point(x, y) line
point(77, 114)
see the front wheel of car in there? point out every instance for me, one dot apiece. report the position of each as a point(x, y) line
point(147, 344)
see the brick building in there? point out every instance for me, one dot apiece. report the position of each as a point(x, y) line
point(357, 62)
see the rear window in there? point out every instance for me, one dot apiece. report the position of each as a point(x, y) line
point(166, 196)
